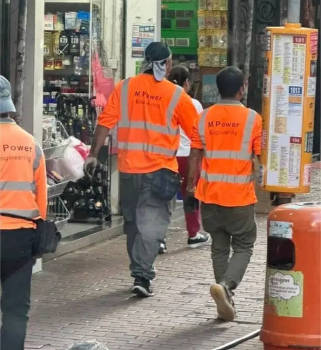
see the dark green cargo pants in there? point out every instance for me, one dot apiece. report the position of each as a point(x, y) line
point(230, 227)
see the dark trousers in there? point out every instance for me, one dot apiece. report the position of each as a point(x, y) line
point(192, 218)
point(146, 219)
point(16, 270)
point(230, 227)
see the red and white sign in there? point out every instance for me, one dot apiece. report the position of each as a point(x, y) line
point(314, 43)
point(299, 39)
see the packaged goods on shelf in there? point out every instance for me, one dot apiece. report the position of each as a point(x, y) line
point(70, 20)
point(212, 33)
point(49, 22)
point(213, 5)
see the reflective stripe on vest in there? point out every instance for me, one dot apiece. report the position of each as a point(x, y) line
point(28, 214)
point(17, 186)
point(125, 122)
point(234, 179)
point(137, 146)
point(38, 154)
point(243, 153)
point(7, 121)
point(201, 126)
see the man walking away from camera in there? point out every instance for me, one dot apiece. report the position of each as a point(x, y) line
point(227, 139)
point(148, 110)
point(23, 193)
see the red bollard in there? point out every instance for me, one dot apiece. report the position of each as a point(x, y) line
point(292, 304)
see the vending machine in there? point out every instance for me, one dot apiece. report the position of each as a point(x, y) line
point(288, 108)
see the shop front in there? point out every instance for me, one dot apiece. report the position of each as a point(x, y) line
point(82, 61)
point(198, 34)
point(65, 57)
point(70, 62)
point(73, 59)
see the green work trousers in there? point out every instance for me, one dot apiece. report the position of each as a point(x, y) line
point(230, 227)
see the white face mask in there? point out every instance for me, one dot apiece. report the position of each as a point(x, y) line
point(158, 67)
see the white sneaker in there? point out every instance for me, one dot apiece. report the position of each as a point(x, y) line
point(224, 302)
point(162, 248)
point(198, 240)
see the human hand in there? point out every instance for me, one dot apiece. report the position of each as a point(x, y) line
point(190, 191)
point(90, 165)
point(190, 203)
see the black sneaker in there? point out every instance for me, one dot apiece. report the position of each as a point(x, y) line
point(224, 301)
point(199, 240)
point(162, 247)
point(142, 288)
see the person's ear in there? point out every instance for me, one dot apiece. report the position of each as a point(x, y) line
point(241, 91)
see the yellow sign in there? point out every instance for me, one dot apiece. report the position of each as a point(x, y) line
point(288, 94)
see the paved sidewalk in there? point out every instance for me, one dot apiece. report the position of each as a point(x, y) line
point(86, 295)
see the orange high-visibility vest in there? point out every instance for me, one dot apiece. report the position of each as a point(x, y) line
point(149, 114)
point(230, 135)
point(23, 189)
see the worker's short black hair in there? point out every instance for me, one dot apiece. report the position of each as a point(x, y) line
point(229, 81)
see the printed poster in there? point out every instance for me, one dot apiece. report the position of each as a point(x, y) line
point(142, 36)
point(284, 292)
point(286, 110)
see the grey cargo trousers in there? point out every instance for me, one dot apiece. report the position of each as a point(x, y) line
point(146, 219)
point(230, 227)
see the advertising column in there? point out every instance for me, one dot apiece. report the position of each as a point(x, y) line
point(288, 108)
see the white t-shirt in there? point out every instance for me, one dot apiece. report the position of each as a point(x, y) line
point(185, 143)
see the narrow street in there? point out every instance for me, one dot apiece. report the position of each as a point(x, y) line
point(86, 295)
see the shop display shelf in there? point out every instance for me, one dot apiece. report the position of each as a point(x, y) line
point(58, 150)
point(57, 189)
point(58, 212)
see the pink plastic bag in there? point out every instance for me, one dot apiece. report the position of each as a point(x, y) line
point(103, 85)
point(82, 149)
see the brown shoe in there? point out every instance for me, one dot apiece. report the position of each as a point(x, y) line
point(224, 302)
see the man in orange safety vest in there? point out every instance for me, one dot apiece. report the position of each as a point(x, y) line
point(148, 111)
point(226, 139)
point(23, 194)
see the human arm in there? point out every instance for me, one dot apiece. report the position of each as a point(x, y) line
point(257, 136)
point(106, 120)
point(101, 132)
point(257, 141)
point(91, 161)
point(194, 163)
point(41, 184)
